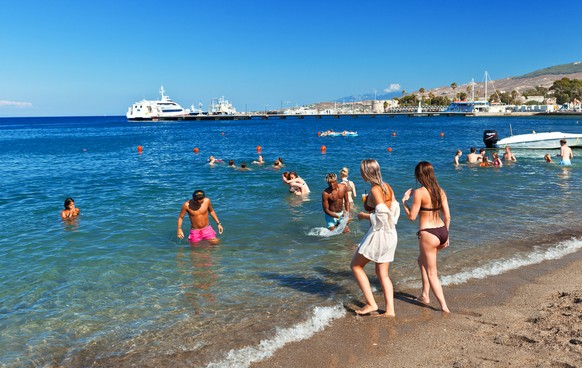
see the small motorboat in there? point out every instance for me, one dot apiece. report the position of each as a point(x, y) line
point(533, 140)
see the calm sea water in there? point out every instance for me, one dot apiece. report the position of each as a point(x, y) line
point(118, 288)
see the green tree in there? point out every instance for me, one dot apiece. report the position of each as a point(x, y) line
point(410, 100)
point(440, 101)
point(462, 96)
point(454, 86)
point(566, 90)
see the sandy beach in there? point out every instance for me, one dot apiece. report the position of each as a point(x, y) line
point(529, 317)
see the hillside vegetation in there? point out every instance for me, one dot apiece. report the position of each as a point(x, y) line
point(555, 70)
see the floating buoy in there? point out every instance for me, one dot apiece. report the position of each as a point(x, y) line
point(139, 149)
point(195, 150)
point(394, 134)
point(389, 149)
point(323, 149)
point(259, 148)
point(319, 134)
point(442, 134)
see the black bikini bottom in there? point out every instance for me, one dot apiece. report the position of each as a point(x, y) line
point(442, 233)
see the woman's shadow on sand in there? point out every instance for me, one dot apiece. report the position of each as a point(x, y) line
point(319, 285)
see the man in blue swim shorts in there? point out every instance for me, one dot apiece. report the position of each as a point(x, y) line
point(333, 200)
point(198, 209)
point(565, 153)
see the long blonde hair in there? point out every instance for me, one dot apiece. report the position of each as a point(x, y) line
point(370, 170)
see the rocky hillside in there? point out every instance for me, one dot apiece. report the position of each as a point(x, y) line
point(543, 77)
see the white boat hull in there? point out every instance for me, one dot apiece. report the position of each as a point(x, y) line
point(549, 140)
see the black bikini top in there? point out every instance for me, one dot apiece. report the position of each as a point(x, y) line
point(429, 209)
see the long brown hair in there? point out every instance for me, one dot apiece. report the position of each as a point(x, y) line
point(424, 173)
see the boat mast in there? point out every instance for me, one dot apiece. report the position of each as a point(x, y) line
point(486, 75)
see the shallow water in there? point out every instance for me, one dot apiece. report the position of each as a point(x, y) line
point(116, 286)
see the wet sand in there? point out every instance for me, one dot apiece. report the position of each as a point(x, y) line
point(530, 317)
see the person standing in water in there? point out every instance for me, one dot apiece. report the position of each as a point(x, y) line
point(379, 243)
point(333, 200)
point(565, 153)
point(349, 184)
point(429, 203)
point(198, 209)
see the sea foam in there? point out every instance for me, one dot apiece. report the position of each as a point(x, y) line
point(322, 317)
point(497, 267)
point(324, 232)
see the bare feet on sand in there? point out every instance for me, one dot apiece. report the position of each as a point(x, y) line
point(421, 299)
point(368, 309)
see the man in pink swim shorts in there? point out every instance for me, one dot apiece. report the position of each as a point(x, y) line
point(196, 235)
point(198, 209)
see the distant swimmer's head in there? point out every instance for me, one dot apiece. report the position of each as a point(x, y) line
point(344, 172)
point(562, 142)
point(198, 194)
point(69, 202)
point(330, 178)
point(292, 175)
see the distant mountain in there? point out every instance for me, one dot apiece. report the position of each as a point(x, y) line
point(369, 96)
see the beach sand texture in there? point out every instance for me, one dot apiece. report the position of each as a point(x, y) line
point(530, 317)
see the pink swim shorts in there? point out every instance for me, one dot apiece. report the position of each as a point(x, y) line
point(199, 234)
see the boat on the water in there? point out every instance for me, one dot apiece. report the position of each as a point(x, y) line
point(221, 106)
point(345, 133)
point(477, 107)
point(533, 140)
point(156, 109)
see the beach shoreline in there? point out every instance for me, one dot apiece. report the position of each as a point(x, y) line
point(523, 318)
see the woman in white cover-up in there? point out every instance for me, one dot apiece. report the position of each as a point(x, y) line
point(379, 243)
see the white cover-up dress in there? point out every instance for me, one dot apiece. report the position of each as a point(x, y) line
point(379, 243)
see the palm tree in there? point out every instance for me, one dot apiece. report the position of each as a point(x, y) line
point(454, 86)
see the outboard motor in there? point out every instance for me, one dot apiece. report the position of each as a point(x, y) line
point(490, 138)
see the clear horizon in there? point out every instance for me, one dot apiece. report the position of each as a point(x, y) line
point(94, 59)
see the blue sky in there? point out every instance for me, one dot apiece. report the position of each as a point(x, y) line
point(62, 58)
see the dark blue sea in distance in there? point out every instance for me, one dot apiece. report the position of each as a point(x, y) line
point(117, 288)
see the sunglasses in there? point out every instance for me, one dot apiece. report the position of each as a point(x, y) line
point(199, 195)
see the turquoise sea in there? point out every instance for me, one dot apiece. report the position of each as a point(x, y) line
point(116, 288)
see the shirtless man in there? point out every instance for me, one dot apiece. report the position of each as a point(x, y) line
point(198, 209)
point(565, 153)
point(473, 157)
point(333, 200)
point(508, 155)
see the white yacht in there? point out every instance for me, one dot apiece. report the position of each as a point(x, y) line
point(221, 106)
point(156, 109)
point(477, 107)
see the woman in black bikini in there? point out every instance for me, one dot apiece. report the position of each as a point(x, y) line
point(430, 201)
